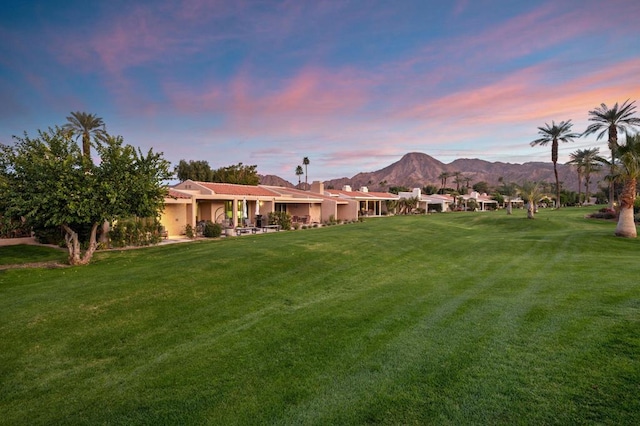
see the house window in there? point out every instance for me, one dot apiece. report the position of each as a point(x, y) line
point(228, 209)
point(280, 207)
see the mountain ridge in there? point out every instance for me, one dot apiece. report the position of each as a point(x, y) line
point(416, 170)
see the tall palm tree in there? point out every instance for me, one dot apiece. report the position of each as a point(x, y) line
point(553, 134)
point(577, 159)
point(628, 172)
point(592, 163)
point(85, 125)
point(610, 121)
point(457, 179)
point(299, 172)
point(443, 180)
point(306, 162)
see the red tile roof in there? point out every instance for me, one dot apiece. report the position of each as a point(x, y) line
point(239, 190)
point(176, 194)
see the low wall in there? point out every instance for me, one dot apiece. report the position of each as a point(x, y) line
point(17, 241)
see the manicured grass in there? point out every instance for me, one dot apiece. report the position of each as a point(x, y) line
point(21, 254)
point(470, 318)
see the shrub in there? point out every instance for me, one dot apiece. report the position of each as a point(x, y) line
point(188, 231)
point(604, 213)
point(135, 232)
point(280, 218)
point(212, 230)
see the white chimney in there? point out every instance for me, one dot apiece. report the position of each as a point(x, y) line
point(364, 189)
point(346, 188)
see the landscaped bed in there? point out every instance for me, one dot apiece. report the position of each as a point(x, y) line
point(445, 319)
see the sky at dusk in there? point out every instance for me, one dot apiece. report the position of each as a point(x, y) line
point(352, 85)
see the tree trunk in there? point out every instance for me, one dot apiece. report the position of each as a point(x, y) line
point(75, 250)
point(530, 210)
point(626, 225)
point(554, 160)
point(613, 145)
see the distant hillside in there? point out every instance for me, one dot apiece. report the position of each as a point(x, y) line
point(415, 170)
point(273, 180)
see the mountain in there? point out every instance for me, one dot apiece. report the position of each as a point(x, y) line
point(273, 180)
point(416, 170)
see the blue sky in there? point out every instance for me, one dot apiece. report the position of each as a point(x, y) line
point(353, 85)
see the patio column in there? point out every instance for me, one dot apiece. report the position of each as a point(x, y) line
point(234, 209)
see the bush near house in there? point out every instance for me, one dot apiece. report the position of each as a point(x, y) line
point(280, 218)
point(135, 232)
point(212, 230)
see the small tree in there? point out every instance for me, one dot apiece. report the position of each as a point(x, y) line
point(52, 184)
point(532, 194)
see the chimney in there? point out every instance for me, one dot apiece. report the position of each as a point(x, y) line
point(364, 189)
point(346, 188)
point(317, 187)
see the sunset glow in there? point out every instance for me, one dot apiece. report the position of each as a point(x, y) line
point(353, 85)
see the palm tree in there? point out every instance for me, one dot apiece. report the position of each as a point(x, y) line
point(592, 163)
point(443, 180)
point(306, 162)
point(577, 159)
point(299, 172)
point(532, 194)
point(85, 125)
point(553, 134)
point(628, 172)
point(457, 179)
point(610, 121)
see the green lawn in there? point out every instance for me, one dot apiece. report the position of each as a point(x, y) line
point(465, 318)
point(21, 254)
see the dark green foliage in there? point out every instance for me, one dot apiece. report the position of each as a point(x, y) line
point(134, 232)
point(430, 189)
point(49, 182)
point(194, 170)
point(398, 189)
point(280, 218)
point(238, 174)
point(212, 230)
point(481, 187)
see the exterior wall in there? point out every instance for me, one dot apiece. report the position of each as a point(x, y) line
point(175, 217)
point(298, 209)
point(316, 212)
point(348, 211)
point(210, 210)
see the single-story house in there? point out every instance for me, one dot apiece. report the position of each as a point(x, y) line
point(369, 203)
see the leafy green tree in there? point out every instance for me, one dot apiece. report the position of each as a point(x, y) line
point(430, 189)
point(628, 172)
point(481, 187)
point(609, 121)
point(238, 174)
point(299, 172)
point(85, 125)
point(51, 183)
point(554, 133)
point(398, 189)
point(194, 170)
